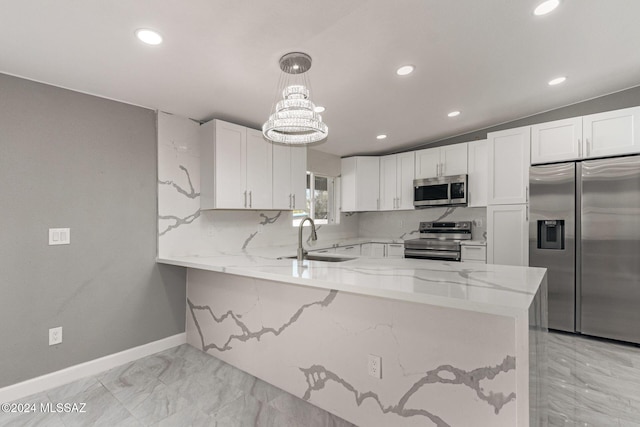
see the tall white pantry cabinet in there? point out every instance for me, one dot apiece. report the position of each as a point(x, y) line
point(508, 197)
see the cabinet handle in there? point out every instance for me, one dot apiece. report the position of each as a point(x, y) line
point(290, 205)
point(438, 169)
point(527, 195)
point(589, 147)
point(250, 199)
point(442, 165)
point(245, 199)
point(294, 201)
point(475, 248)
point(579, 147)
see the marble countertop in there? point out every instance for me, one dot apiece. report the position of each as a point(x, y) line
point(497, 289)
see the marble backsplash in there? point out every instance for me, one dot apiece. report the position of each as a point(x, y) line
point(404, 224)
point(185, 229)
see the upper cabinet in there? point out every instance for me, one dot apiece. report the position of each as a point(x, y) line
point(611, 133)
point(396, 181)
point(360, 184)
point(441, 161)
point(556, 141)
point(478, 173)
point(241, 170)
point(598, 135)
point(289, 177)
point(509, 160)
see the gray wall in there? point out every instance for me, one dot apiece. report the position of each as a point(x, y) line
point(78, 161)
point(615, 101)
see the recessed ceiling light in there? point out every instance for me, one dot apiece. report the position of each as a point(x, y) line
point(149, 36)
point(382, 136)
point(319, 109)
point(546, 7)
point(557, 81)
point(454, 113)
point(404, 70)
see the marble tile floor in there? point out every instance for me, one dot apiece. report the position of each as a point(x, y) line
point(181, 386)
point(592, 383)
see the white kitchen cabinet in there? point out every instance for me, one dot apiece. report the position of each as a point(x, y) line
point(388, 173)
point(348, 250)
point(259, 165)
point(394, 250)
point(234, 162)
point(396, 181)
point(508, 235)
point(375, 250)
point(611, 133)
point(509, 161)
point(289, 177)
point(478, 180)
point(473, 253)
point(360, 184)
point(556, 141)
point(441, 161)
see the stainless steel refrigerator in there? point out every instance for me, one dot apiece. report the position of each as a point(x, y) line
point(585, 229)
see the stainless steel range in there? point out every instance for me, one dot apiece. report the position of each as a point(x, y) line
point(438, 240)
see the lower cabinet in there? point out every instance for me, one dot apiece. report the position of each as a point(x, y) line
point(474, 253)
point(373, 250)
point(394, 250)
point(351, 249)
point(508, 235)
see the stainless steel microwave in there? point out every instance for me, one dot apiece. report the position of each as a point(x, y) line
point(441, 191)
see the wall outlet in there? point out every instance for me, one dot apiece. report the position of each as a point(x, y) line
point(479, 222)
point(55, 335)
point(374, 366)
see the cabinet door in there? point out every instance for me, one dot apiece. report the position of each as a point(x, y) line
point(478, 173)
point(259, 171)
point(427, 163)
point(351, 249)
point(405, 172)
point(453, 159)
point(299, 177)
point(282, 198)
point(395, 250)
point(229, 163)
point(375, 250)
point(612, 133)
point(508, 235)
point(509, 154)
point(348, 184)
point(388, 172)
point(368, 184)
point(556, 141)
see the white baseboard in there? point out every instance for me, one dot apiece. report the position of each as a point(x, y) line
point(87, 369)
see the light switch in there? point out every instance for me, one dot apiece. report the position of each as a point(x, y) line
point(59, 236)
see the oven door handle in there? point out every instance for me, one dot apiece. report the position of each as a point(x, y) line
point(449, 255)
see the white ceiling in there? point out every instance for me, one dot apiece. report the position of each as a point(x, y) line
point(490, 59)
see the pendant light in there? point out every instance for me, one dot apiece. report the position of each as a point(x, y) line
point(293, 119)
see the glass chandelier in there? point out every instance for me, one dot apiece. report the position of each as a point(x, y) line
point(293, 119)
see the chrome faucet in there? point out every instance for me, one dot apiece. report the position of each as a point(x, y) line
point(314, 236)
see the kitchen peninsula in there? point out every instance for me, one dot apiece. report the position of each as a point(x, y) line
point(459, 344)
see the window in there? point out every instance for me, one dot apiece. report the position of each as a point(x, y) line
point(320, 204)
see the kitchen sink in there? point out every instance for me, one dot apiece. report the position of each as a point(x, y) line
point(316, 257)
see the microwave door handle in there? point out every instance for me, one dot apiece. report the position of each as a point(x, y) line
point(449, 192)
